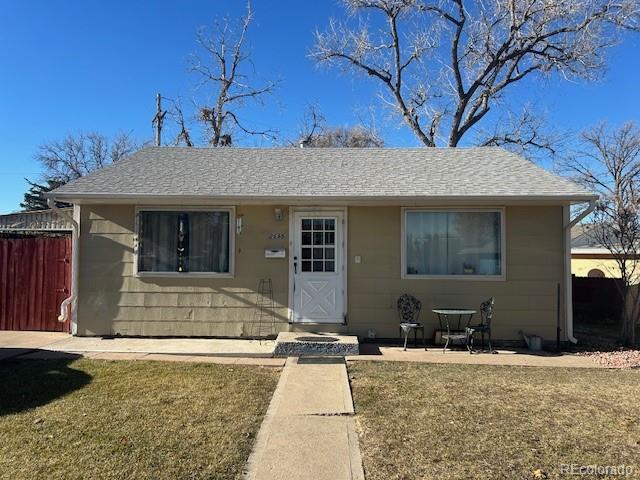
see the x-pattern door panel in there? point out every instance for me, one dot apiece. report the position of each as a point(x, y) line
point(318, 274)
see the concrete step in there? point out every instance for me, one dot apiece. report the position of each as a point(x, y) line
point(316, 344)
point(334, 329)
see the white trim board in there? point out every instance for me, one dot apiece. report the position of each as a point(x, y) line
point(336, 201)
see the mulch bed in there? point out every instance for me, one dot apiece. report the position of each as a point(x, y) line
point(600, 343)
point(623, 358)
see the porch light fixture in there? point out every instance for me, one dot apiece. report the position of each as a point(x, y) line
point(277, 214)
point(239, 223)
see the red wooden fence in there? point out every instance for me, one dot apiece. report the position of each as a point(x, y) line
point(35, 277)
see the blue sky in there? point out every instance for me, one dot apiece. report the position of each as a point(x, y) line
point(68, 66)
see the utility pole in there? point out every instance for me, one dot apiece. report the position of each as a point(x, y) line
point(158, 120)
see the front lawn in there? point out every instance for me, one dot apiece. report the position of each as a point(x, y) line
point(129, 419)
point(428, 421)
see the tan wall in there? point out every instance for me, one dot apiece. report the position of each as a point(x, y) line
point(525, 300)
point(580, 267)
point(112, 300)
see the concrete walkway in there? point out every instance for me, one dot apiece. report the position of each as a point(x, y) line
point(47, 345)
point(239, 351)
point(63, 342)
point(14, 343)
point(221, 347)
point(308, 431)
point(374, 352)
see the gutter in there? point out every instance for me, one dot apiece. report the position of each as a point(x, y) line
point(75, 233)
point(568, 225)
point(404, 200)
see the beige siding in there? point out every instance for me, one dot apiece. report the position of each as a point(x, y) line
point(112, 300)
point(526, 300)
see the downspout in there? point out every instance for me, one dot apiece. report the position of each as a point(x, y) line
point(568, 298)
point(72, 298)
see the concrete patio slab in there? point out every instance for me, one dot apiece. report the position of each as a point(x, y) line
point(308, 433)
point(16, 343)
point(49, 355)
point(114, 355)
point(28, 339)
point(54, 354)
point(50, 345)
point(376, 352)
point(168, 346)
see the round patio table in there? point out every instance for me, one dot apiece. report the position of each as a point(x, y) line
point(458, 333)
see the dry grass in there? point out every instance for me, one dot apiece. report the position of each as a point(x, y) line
point(427, 421)
point(104, 419)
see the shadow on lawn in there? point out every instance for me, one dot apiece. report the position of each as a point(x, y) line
point(30, 383)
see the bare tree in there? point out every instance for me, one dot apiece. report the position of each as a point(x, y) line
point(521, 132)
point(80, 154)
point(176, 113)
point(315, 133)
point(345, 137)
point(610, 165)
point(224, 75)
point(313, 122)
point(444, 64)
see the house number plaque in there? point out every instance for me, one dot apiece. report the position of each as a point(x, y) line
point(277, 236)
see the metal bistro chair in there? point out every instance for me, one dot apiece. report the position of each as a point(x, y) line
point(409, 311)
point(486, 315)
point(449, 334)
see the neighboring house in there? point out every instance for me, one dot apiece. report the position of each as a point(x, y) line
point(37, 221)
point(174, 241)
point(589, 258)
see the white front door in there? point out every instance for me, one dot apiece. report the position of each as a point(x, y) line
point(318, 267)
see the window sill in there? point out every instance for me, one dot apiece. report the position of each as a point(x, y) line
point(183, 275)
point(468, 278)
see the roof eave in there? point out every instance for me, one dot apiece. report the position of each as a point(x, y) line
point(80, 198)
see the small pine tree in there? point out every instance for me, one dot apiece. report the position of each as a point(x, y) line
point(34, 198)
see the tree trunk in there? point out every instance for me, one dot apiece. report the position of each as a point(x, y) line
point(630, 316)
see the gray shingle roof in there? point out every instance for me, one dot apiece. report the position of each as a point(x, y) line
point(588, 236)
point(331, 173)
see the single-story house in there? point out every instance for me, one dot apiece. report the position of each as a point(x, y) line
point(590, 258)
point(174, 241)
point(35, 222)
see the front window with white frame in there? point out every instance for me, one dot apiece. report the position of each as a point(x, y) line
point(177, 241)
point(453, 243)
